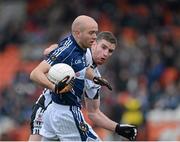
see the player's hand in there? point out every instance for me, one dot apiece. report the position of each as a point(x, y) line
point(101, 81)
point(49, 49)
point(68, 87)
point(127, 131)
point(63, 86)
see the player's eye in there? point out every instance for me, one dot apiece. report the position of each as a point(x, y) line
point(110, 50)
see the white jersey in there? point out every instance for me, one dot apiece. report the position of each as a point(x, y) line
point(91, 89)
point(47, 95)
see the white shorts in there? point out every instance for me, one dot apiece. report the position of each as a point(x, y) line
point(36, 119)
point(66, 123)
point(37, 112)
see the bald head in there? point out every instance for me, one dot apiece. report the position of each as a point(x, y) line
point(84, 29)
point(82, 22)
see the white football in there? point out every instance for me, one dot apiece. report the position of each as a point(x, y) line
point(59, 71)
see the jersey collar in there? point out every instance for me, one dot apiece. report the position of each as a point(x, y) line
point(94, 65)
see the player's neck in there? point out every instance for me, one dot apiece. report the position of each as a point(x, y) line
point(78, 43)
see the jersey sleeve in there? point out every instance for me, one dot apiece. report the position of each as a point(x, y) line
point(45, 57)
point(91, 89)
point(88, 58)
point(57, 55)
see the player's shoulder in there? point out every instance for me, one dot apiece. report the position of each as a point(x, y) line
point(64, 46)
point(66, 42)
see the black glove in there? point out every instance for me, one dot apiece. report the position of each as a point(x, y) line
point(61, 85)
point(71, 82)
point(127, 131)
point(101, 81)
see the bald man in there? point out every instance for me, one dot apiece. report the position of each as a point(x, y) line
point(63, 119)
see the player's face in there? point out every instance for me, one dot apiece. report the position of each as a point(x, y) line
point(88, 36)
point(102, 50)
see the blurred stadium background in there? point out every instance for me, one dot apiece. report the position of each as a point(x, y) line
point(144, 69)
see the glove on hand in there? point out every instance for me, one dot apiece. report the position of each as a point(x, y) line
point(127, 131)
point(63, 86)
point(103, 82)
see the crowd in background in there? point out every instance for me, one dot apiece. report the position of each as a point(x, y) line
point(144, 69)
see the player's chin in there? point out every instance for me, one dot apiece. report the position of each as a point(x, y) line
point(89, 45)
point(101, 62)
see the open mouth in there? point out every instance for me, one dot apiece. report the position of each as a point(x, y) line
point(103, 59)
point(91, 42)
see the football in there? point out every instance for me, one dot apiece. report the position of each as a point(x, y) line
point(59, 71)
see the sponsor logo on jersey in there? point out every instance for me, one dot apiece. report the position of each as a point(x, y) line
point(83, 127)
point(39, 117)
point(78, 61)
point(53, 58)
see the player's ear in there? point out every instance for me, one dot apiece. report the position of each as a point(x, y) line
point(78, 34)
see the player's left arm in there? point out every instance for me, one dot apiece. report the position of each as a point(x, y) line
point(98, 117)
point(101, 120)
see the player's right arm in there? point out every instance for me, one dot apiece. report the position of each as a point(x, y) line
point(39, 75)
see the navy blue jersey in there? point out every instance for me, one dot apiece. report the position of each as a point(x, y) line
point(69, 52)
